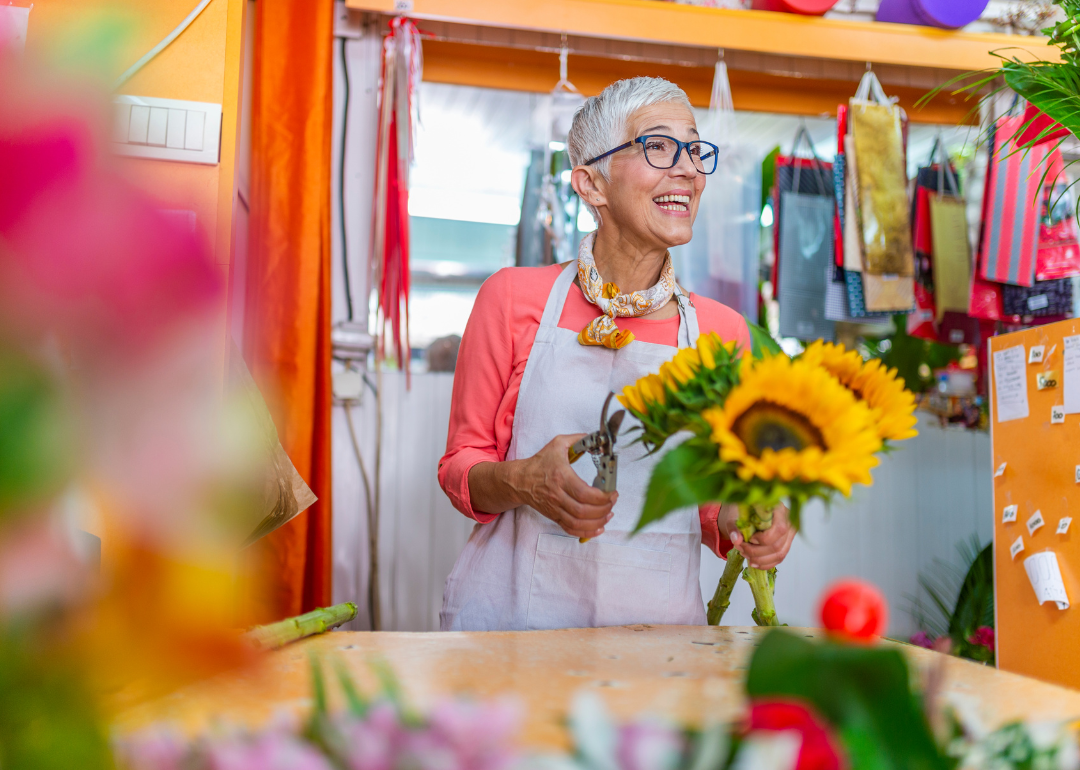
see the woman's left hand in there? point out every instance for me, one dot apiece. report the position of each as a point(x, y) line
point(765, 549)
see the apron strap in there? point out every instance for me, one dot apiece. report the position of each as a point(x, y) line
point(688, 323)
point(557, 298)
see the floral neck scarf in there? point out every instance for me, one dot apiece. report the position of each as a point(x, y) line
point(606, 296)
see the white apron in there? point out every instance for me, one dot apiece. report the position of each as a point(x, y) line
point(521, 571)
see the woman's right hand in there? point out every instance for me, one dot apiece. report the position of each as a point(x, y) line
point(547, 483)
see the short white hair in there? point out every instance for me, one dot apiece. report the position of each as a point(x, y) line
point(600, 123)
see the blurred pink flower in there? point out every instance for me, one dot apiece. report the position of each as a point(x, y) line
point(646, 745)
point(270, 750)
point(154, 749)
point(983, 635)
point(922, 639)
point(82, 252)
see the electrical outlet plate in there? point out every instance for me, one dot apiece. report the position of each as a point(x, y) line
point(346, 22)
point(167, 129)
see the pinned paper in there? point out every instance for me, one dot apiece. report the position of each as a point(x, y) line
point(1035, 522)
point(1016, 547)
point(1063, 524)
point(1071, 373)
point(1010, 383)
point(1035, 355)
point(1044, 380)
point(1045, 576)
point(1057, 415)
point(1078, 474)
point(1000, 470)
point(1008, 515)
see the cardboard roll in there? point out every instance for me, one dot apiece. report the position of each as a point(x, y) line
point(804, 7)
point(947, 14)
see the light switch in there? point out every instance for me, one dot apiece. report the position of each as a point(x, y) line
point(166, 129)
point(193, 138)
point(121, 121)
point(139, 124)
point(174, 137)
point(159, 121)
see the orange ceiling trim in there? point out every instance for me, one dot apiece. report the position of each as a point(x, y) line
point(537, 71)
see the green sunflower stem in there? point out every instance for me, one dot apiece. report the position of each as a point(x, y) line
point(762, 583)
point(752, 519)
point(722, 598)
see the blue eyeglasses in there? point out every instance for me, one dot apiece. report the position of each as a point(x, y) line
point(663, 152)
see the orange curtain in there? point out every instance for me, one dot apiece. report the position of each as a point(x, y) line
point(287, 334)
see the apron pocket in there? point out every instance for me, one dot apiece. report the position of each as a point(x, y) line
point(586, 585)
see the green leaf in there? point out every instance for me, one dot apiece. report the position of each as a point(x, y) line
point(761, 342)
point(864, 692)
point(682, 478)
point(358, 705)
point(318, 684)
point(35, 434)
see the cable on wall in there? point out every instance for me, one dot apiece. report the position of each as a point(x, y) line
point(341, 182)
point(130, 72)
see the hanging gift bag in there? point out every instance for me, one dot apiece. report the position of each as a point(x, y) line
point(985, 302)
point(806, 248)
point(951, 258)
point(1059, 251)
point(1045, 298)
point(852, 270)
point(1011, 209)
point(882, 181)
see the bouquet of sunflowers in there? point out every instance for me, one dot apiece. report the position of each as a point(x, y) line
point(764, 429)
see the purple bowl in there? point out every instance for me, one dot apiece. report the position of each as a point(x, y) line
point(947, 14)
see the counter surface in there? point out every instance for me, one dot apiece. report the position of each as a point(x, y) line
point(688, 673)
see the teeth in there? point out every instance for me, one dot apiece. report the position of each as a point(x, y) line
point(685, 199)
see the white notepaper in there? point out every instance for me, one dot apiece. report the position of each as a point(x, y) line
point(1008, 516)
point(1071, 367)
point(1035, 355)
point(1045, 576)
point(1063, 524)
point(1034, 522)
point(1000, 470)
point(1057, 415)
point(1016, 547)
point(1010, 382)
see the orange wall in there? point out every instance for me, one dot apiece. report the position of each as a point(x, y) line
point(1040, 461)
point(203, 64)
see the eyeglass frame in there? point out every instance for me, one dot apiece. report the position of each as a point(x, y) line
point(678, 153)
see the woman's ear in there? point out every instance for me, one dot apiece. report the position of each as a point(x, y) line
point(589, 185)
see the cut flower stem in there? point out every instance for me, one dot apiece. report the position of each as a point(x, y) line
point(752, 519)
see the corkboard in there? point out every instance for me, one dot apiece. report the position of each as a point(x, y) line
point(1040, 474)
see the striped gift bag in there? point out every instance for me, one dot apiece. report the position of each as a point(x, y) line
point(1010, 239)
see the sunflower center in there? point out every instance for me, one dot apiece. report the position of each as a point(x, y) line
point(766, 425)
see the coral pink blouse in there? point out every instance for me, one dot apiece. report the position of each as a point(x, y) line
point(491, 362)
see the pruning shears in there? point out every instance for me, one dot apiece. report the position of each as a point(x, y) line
point(601, 445)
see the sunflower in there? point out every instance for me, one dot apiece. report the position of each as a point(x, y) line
point(892, 404)
point(793, 420)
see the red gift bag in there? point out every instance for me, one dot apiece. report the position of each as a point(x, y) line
point(1010, 208)
point(1036, 122)
point(1059, 236)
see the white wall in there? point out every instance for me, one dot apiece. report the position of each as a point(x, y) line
point(930, 494)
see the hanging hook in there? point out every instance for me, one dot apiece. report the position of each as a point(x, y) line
point(564, 81)
point(720, 54)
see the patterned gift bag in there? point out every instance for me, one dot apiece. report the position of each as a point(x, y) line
point(1010, 237)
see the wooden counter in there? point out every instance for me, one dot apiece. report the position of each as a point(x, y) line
point(687, 673)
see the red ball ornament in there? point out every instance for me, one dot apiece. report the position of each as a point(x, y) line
point(803, 7)
point(854, 610)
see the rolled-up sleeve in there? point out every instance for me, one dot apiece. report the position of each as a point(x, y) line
point(484, 367)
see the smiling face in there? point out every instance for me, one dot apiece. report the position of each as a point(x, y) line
point(655, 208)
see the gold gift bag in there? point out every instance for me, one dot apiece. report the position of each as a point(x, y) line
point(882, 182)
point(952, 253)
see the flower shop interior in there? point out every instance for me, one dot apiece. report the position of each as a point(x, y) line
point(240, 245)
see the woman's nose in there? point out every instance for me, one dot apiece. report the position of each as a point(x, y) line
point(685, 165)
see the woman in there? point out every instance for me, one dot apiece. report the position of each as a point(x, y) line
point(542, 350)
